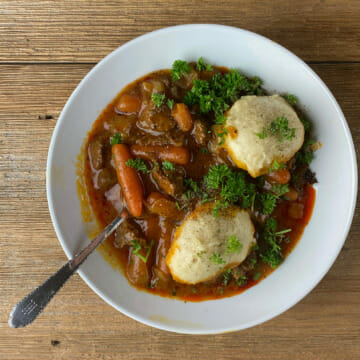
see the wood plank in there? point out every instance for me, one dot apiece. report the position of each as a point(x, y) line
point(325, 325)
point(86, 31)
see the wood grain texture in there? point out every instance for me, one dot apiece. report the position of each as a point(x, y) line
point(46, 47)
point(325, 325)
point(87, 30)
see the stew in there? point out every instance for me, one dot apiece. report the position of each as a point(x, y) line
point(160, 150)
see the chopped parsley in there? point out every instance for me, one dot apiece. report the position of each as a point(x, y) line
point(280, 189)
point(204, 150)
point(179, 68)
point(138, 164)
point(272, 254)
point(201, 65)
point(232, 186)
point(307, 125)
point(116, 139)
point(170, 103)
point(222, 135)
point(276, 166)
point(280, 126)
point(217, 259)
point(263, 134)
point(201, 253)
point(219, 92)
point(305, 155)
point(242, 280)
point(227, 277)
point(167, 165)
point(137, 247)
point(157, 99)
point(268, 202)
point(233, 245)
point(290, 98)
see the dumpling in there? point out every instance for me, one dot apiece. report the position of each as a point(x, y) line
point(247, 120)
point(204, 245)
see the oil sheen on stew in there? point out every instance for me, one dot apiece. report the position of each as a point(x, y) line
point(156, 151)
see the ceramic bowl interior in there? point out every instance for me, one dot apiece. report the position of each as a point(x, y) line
point(335, 167)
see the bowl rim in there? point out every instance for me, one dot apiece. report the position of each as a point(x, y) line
point(350, 214)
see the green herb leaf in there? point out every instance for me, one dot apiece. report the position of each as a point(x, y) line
point(179, 68)
point(138, 164)
point(280, 126)
point(227, 277)
point(280, 189)
point(157, 99)
point(217, 259)
point(201, 65)
point(201, 253)
point(263, 134)
point(242, 280)
point(290, 98)
point(116, 139)
point(170, 103)
point(167, 165)
point(137, 247)
point(276, 166)
point(272, 254)
point(222, 136)
point(233, 245)
point(268, 202)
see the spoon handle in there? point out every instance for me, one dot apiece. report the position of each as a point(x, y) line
point(27, 310)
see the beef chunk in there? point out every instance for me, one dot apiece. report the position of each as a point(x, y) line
point(126, 233)
point(171, 183)
point(200, 132)
point(95, 151)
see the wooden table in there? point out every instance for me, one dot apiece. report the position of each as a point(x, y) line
point(46, 47)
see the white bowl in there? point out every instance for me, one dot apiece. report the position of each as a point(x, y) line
point(335, 167)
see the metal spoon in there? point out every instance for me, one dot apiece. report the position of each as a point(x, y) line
point(27, 310)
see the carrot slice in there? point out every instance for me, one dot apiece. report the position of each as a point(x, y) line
point(176, 154)
point(182, 116)
point(128, 179)
point(128, 104)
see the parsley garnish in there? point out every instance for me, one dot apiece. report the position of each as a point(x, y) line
point(170, 103)
point(116, 139)
point(276, 166)
point(137, 247)
point(167, 165)
point(280, 189)
point(201, 253)
point(242, 280)
point(232, 185)
point(201, 65)
point(272, 254)
point(217, 259)
point(204, 150)
point(227, 276)
point(280, 126)
point(222, 136)
point(138, 164)
point(220, 91)
point(179, 68)
point(233, 245)
point(157, 99)
point(268, 202)
point(290, 98)
point(263, 134)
